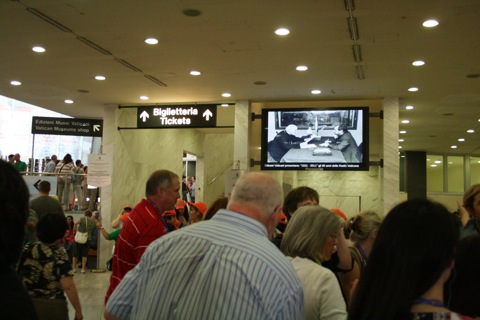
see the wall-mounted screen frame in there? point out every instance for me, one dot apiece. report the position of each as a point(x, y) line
point(315, 138)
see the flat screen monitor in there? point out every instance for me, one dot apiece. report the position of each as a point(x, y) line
point(315, 139)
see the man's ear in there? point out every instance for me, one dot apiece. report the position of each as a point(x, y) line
point(160, 192)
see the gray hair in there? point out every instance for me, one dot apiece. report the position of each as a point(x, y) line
point(258, 189)
point(307, 232)
point(159, 179)
point(363, 224)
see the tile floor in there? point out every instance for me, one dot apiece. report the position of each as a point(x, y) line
point(91, 289)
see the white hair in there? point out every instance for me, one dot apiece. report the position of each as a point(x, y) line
point(291, 129)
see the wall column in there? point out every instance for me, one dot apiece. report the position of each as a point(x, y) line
point(416, 174)
point(391, 165)
point(241, 138)
point(104, 251)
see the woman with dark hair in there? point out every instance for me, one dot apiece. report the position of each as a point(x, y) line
point(461, 292)
point(46, 271)
point(80, 250)
point(410, 261)
point(220, 203)
point(69, 236)
point(14, 300)
point(309, 240)
point(64, 171)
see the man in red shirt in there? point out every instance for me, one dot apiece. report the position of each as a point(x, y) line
point(144, 224)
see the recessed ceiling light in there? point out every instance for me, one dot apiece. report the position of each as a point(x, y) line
point(282, 31)
point(461, 139)
point(302, 68)
point(409, 107)
point(405, 121)
point(15, 83)
point(400, 147)
point(100, 78)
point(418, 63)
point(38, 49)
point(151, 41)
point(430, 23)
point(69, 101)
point(226, 95)
point(144, 98)
point(438, 161)
point(470, 131)
point(316, 91)
point(224, 105)
point(195, 73)
point(433, 165)
point(401, 140)
point(453, 147)
point(413, 89)
point(403, 132)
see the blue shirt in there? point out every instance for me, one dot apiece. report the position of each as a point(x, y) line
point(223, 268)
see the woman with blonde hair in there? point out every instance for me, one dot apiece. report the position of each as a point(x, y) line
point(310, 239)
point(362, 230)
point(470, 211)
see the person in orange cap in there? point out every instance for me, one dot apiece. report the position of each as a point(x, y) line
point(120, 220)
point(196, 211)
point(172, 221)
point(340, 213)
point(182, 212)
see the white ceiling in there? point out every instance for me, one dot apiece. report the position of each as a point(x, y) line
point(232, 43)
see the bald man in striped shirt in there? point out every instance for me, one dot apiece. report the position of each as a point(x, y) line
point(223, 268)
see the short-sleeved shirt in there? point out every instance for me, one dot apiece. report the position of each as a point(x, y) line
point(46, 204)
point(21, 166)
point(114, 235)
point(42, 267)
point(143, 226)
point(87, 225)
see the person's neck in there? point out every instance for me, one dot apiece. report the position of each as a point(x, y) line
point(366, 246)
point(432, 299)
point(43, 194)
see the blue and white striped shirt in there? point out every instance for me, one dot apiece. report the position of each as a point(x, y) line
point(224, 268)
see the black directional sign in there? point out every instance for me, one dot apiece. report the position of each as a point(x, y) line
point(67, 126)
point(177, 116)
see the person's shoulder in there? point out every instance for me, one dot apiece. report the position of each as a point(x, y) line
point(313, 269)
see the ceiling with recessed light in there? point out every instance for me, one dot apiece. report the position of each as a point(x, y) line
point(363, 49)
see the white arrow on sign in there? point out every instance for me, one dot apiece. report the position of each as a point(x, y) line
point(144, 115)
point(207, 114)
point(96, 127)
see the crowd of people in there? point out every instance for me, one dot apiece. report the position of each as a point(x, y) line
point(72, 185)
point(253, 255)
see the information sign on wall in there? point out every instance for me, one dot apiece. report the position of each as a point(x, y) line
point(177, 116)
point(67, 126)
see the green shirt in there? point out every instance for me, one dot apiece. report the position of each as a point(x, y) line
point(114, 234)
point(21, 166)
